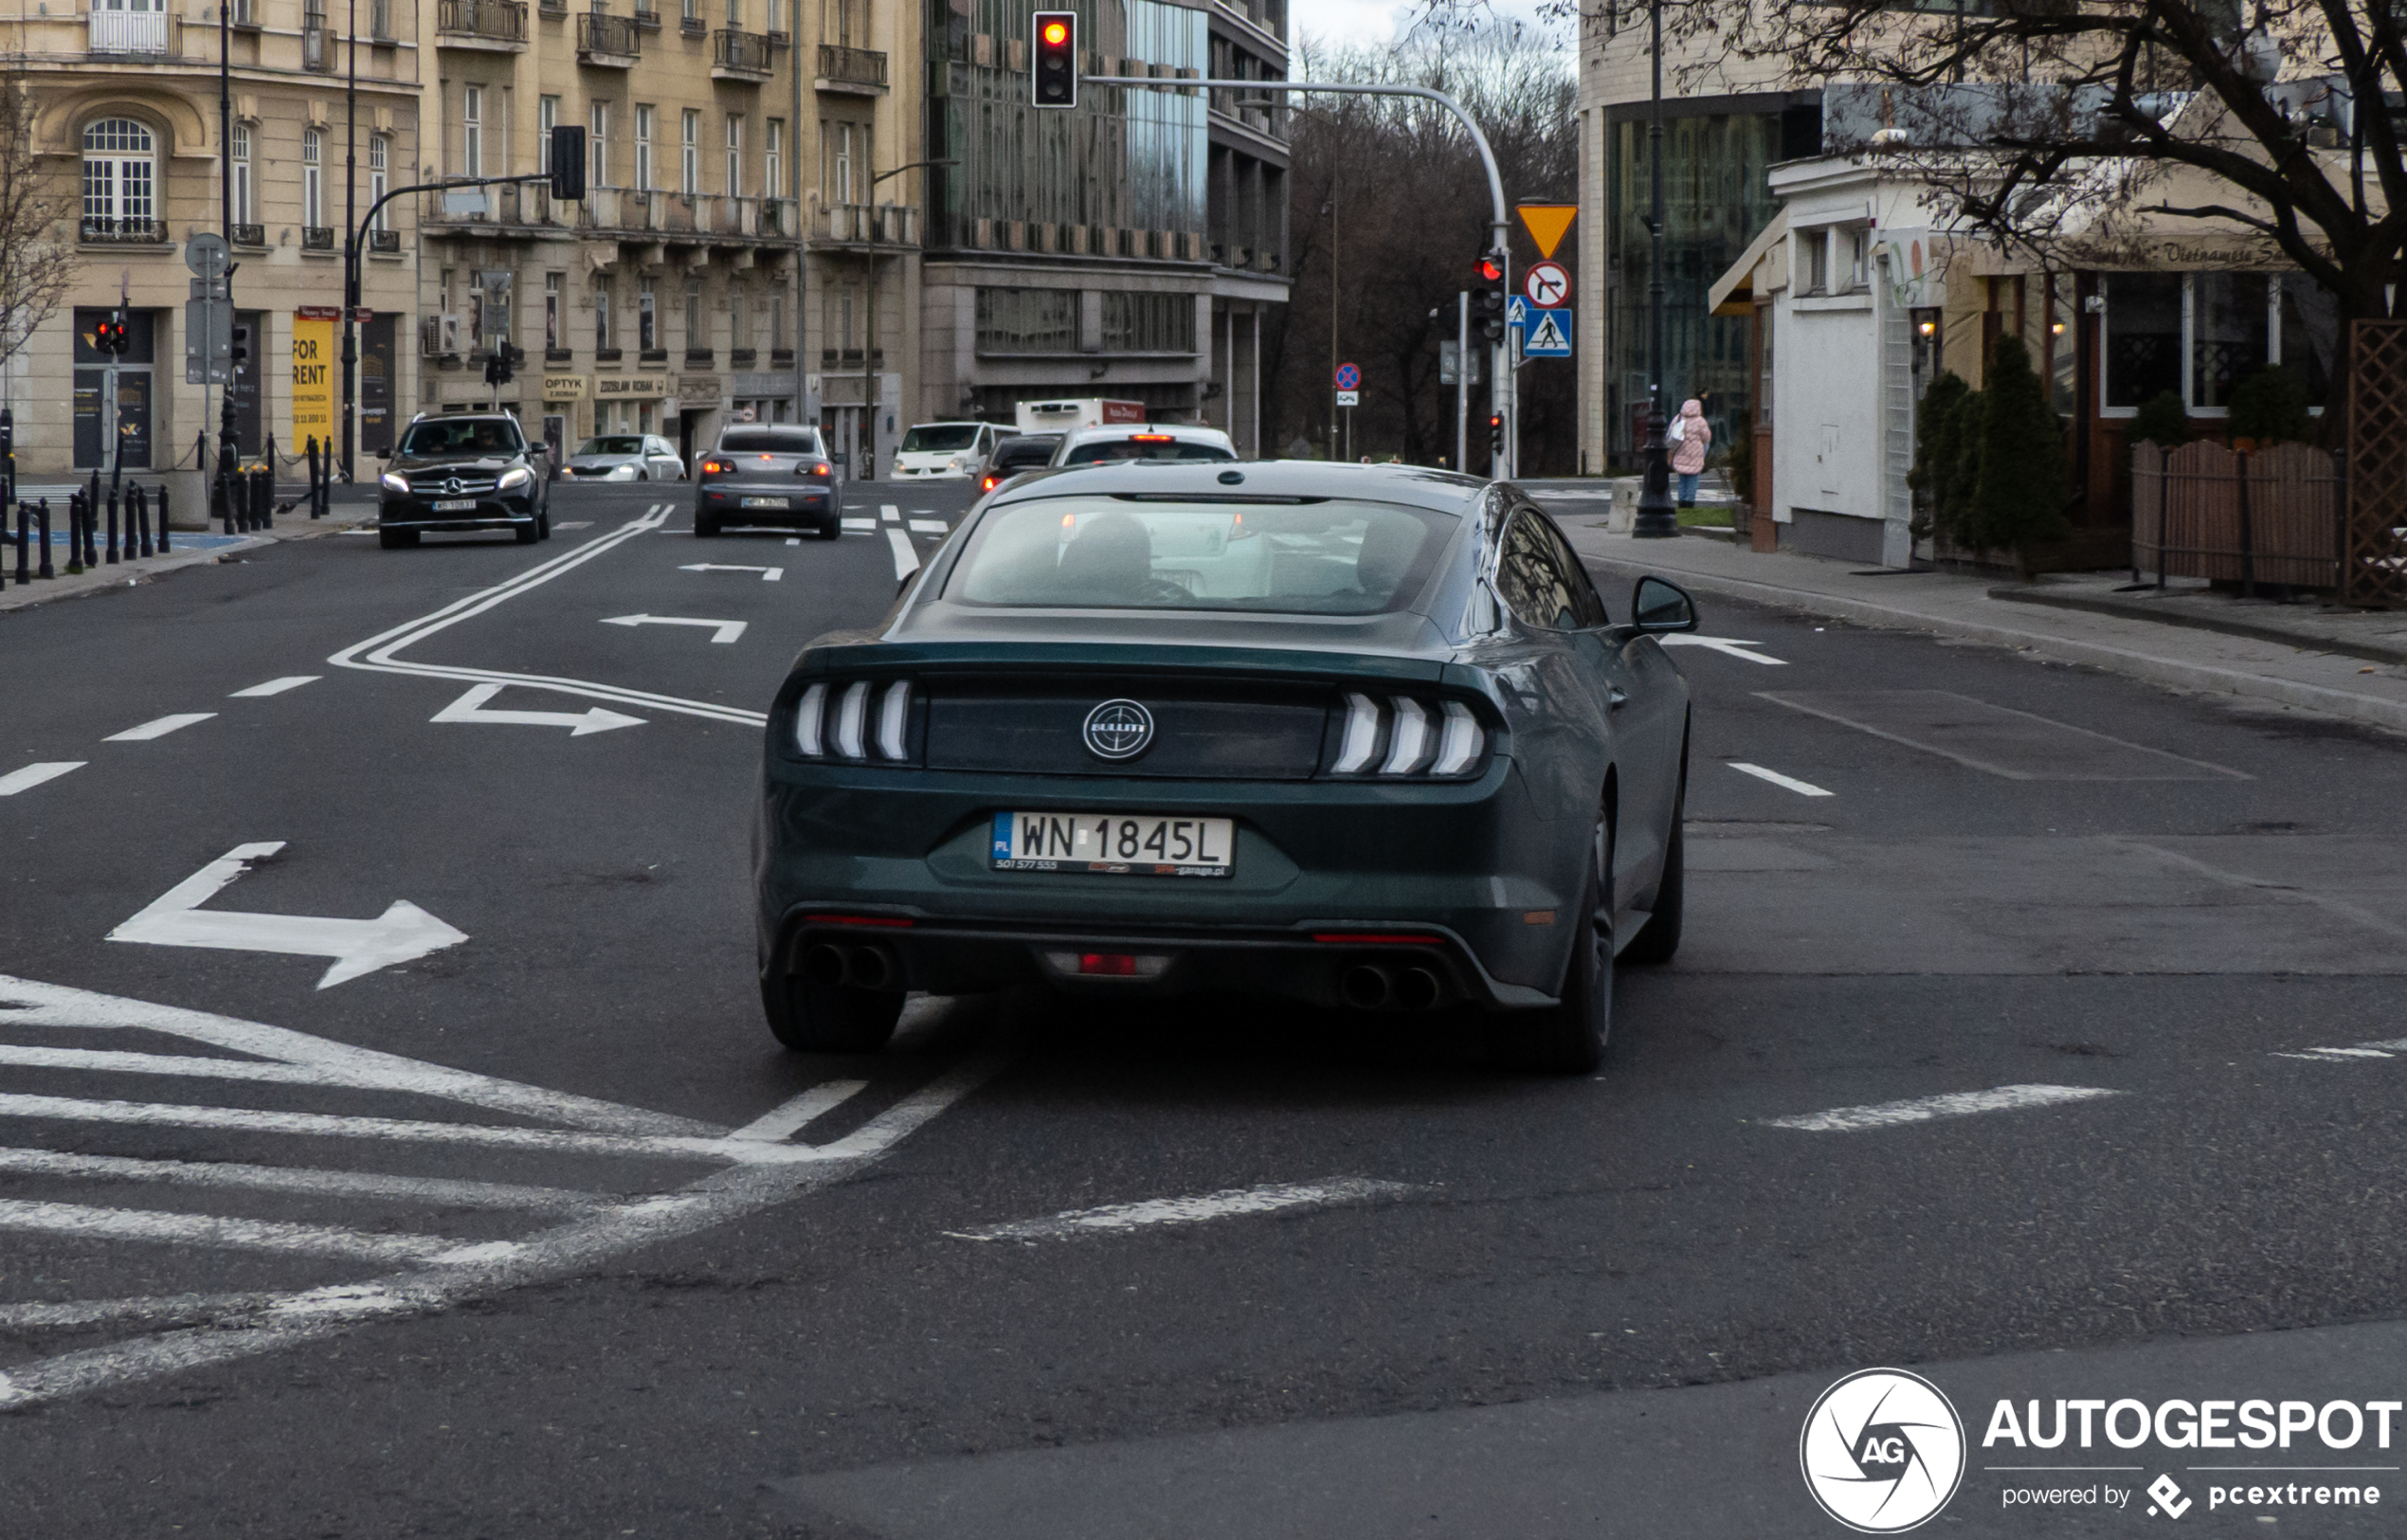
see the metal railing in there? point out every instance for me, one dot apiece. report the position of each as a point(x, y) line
point(122, 232)
point(501, 21)
point(317, 45)
point(250, 235)
point(852, 66)
point(611, 36)
point(133, 32)
point(746, 52)
point(897, 224)
point(384, 243)
point(317, 238)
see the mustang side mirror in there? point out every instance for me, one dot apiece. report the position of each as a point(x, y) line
point(1658, 607)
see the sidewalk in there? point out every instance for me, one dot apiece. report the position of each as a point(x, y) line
point(352, 507)
point(2344, 663)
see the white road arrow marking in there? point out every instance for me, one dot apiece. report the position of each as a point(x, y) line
point(471, 708)
point(727, 630)
point(769, 574)
point(1730, 646)
point(906, 556)
point(402, 933)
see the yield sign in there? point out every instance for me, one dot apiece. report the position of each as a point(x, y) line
point(1546, 283)
point(1348, 378)
point(1547, 222)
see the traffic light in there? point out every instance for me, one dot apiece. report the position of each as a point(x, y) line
point(109, 335)
point(241, 352)
point(1492, 270)
point(1496, 435)
point(1488, 314)
point(1053, 64)
point(501, 363)
point(568, 163)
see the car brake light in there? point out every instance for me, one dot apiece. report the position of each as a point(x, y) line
point(851, 720)
point(1153, 438)
point(715, 467)
point(988, 483)
point(1110, 964)
point(819, 470)
point(1420, 738)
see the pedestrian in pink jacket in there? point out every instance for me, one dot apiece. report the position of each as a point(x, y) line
point(1690, 437)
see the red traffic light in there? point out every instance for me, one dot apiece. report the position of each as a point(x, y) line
point(1055, 34)
point(1492, 270)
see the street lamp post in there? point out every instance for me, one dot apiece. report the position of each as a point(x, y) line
point(869, 347)
point(228, 446)
point(1657, 518)
point(351, 238)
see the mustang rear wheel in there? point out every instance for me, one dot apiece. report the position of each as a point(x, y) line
point(1569, 1037)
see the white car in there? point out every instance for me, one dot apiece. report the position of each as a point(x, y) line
point(952, 450)
point(626, 456)
point(1142, 441)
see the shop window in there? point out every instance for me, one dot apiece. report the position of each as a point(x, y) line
point(2199, 334)
point(2143, 351)
point(2310, 334)
point(2231, 315)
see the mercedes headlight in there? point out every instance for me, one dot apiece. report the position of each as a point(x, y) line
point(390, 481)
point(516, 476)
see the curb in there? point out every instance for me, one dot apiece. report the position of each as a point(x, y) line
point(2203, 678)
point(2372, 652)
point(107, 580)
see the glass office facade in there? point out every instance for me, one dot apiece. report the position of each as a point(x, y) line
point(1123, 160)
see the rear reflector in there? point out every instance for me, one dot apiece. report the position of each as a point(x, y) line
point(1109, 964)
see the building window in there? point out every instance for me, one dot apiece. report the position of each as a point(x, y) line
point(647, 335)
point(734, 154)
point(471, 131)
point(2064, 346)
point(1148, 322)
point(739, 314)
point(839, 178)
point(2143, 353)
point(689, 152)
point(547, 117)
point(2230, 314)
point(846, 22)
point(597, 150)
point(379, 176)
point(243, 214)
point(642, 148)
point(552, 311)
point(773, 15)
point(691, 11)
point(1032, 320)
point(601, 315)
point(773, 160)
point(696, 337)
point(735, 13)
point(777, 337)
point(120, 175)
point(1860, 245)
point(313, 179)
point(1813, 251)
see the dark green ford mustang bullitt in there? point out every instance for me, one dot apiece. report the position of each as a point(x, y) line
point(1359, 736)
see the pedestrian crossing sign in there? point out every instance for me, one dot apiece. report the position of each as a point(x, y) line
point(1546, 334)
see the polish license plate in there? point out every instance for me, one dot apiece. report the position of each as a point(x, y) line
point(457, 505)
point(1132, 845)
point(764, 503)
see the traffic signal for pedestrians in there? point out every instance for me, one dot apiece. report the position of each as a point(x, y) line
point(1053, 64)
point(109, 335)
point(568, 163)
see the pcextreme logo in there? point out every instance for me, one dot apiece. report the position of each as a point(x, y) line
point(1882, 1451)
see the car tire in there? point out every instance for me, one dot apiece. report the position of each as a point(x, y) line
point(1569, 1037)
point(810, 1017)
point(1659, 938)
point(832, 529)
point(705, 527)
point(397, 539)
point(543, 525)
point(527, 533)
point(643, 475)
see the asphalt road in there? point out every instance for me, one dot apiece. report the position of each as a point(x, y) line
point(508, 1238)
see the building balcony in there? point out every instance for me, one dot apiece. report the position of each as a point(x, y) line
point(646, 18)
point(608, 356)
point(498, 26)
point(134, 34)
point(317, 238)
point(781, 358)
point(701, 358)
point(652, 356)
point(860, 71)
point(317, 45)
point(691, 27)
point(849, 224)
point(249, 235)
point(557, 355)
point(608, 42)
point(739, 56)
point(122, 232)
point(384, 243)
point(740, 357)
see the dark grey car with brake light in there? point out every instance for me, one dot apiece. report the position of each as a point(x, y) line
point(778, 475)
point(1364, 737)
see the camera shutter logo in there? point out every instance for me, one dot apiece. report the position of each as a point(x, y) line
point(1118, 730)
point(1883, 1451)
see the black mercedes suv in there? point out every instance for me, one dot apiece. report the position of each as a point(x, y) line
point(465, 471)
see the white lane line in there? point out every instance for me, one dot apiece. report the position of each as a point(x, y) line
point(30, 776)
point(399, 1129)
point(380, 653)
point(789, 1119)
point(25, 1003)
point(906, 554)
point(1922, 1109)
point(888, 513)
point(930, 526)
point(793, 539)
point(769, 574)
point(566, 1251)
point(2382, 1049)
point(440, 1191)
point(84, 1223)
point(1804, 789)
point(574, 524)
point(1729, 647)
point(158, 1309)
point(274, 687)
point(160, 727)
point(859, 526)
point(1229, 1204)
point(722, 631)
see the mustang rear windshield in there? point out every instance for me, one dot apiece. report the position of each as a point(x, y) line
point(772, 441)
point(471, 436)
point(1322, 558)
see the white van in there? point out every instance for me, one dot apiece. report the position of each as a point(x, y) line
point(949, 450)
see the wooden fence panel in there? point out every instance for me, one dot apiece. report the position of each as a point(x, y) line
point(2189, 516)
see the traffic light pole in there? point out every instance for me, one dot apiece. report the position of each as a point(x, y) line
point(1462, 382)
point(229, 447)
point(1500, 378)
point(350, 250)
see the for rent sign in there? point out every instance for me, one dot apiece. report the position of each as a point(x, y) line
point(313, 376)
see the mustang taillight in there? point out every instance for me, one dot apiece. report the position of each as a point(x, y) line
point(849, 721)
point(1405, 736)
